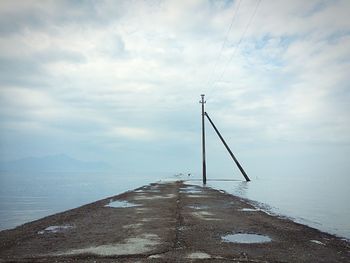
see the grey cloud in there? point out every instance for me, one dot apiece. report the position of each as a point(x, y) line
point(12, 23)
point(16, 71)
point(30, 70)
point(42, 15)
point(55, 55)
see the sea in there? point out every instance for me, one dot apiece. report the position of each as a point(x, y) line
point(323, 203)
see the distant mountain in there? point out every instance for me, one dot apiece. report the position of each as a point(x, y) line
point(52, 163)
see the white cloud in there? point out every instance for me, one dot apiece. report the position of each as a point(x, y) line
point(135, 70)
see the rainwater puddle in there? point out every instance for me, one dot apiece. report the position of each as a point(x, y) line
point(249, 210)
point(130, 246)
point(152, 197)
point(204, 215)
point(121, 204)
point(191, 190)
point(246, 238)
point(198, 207)
point(317, 242)
point(198, 255)
point(197, 196)
point(54, 229)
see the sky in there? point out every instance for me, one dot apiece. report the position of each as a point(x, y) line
point(120, 82)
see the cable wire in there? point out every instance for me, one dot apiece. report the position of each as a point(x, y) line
point(238, 43)
point(225, 40)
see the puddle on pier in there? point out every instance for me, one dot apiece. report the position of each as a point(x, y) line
point(190, 190)
point(130, 246)
point(249, 210)
point(55, 229)
point(246, 238)
point(198, 207)
point(141, 196)
point(121, 204)
point(317, 242)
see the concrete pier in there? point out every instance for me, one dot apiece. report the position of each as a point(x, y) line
point(169, 222)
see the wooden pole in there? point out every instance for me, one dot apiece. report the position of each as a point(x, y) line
point(204, 169)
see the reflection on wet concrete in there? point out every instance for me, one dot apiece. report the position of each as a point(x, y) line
point(121, 204)
point(55, 229)
point(246, 238)
point(249, 210)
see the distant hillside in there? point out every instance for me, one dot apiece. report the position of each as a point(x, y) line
point(52, 163)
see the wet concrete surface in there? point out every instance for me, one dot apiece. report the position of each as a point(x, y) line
point(168, 222)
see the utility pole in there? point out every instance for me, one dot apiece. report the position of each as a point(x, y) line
point(203, 141)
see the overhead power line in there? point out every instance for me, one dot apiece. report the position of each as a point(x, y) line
point(238, 43)
point(225, 40)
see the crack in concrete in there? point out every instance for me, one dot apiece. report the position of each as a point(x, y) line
point(178, 242)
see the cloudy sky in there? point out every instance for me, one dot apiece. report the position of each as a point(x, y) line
point(120, 81)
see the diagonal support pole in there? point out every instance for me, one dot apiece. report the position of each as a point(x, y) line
point(228, 149)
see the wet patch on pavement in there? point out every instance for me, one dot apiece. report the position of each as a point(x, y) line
point(121, 204)
point(55, 229)
point(153, 197)
point(198, 255)
point(317, 242)
point(133, 245)
point(249, 210)
point(244, 238)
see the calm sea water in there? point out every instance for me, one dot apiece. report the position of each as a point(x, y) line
point(322, 204)
point(29, 196)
